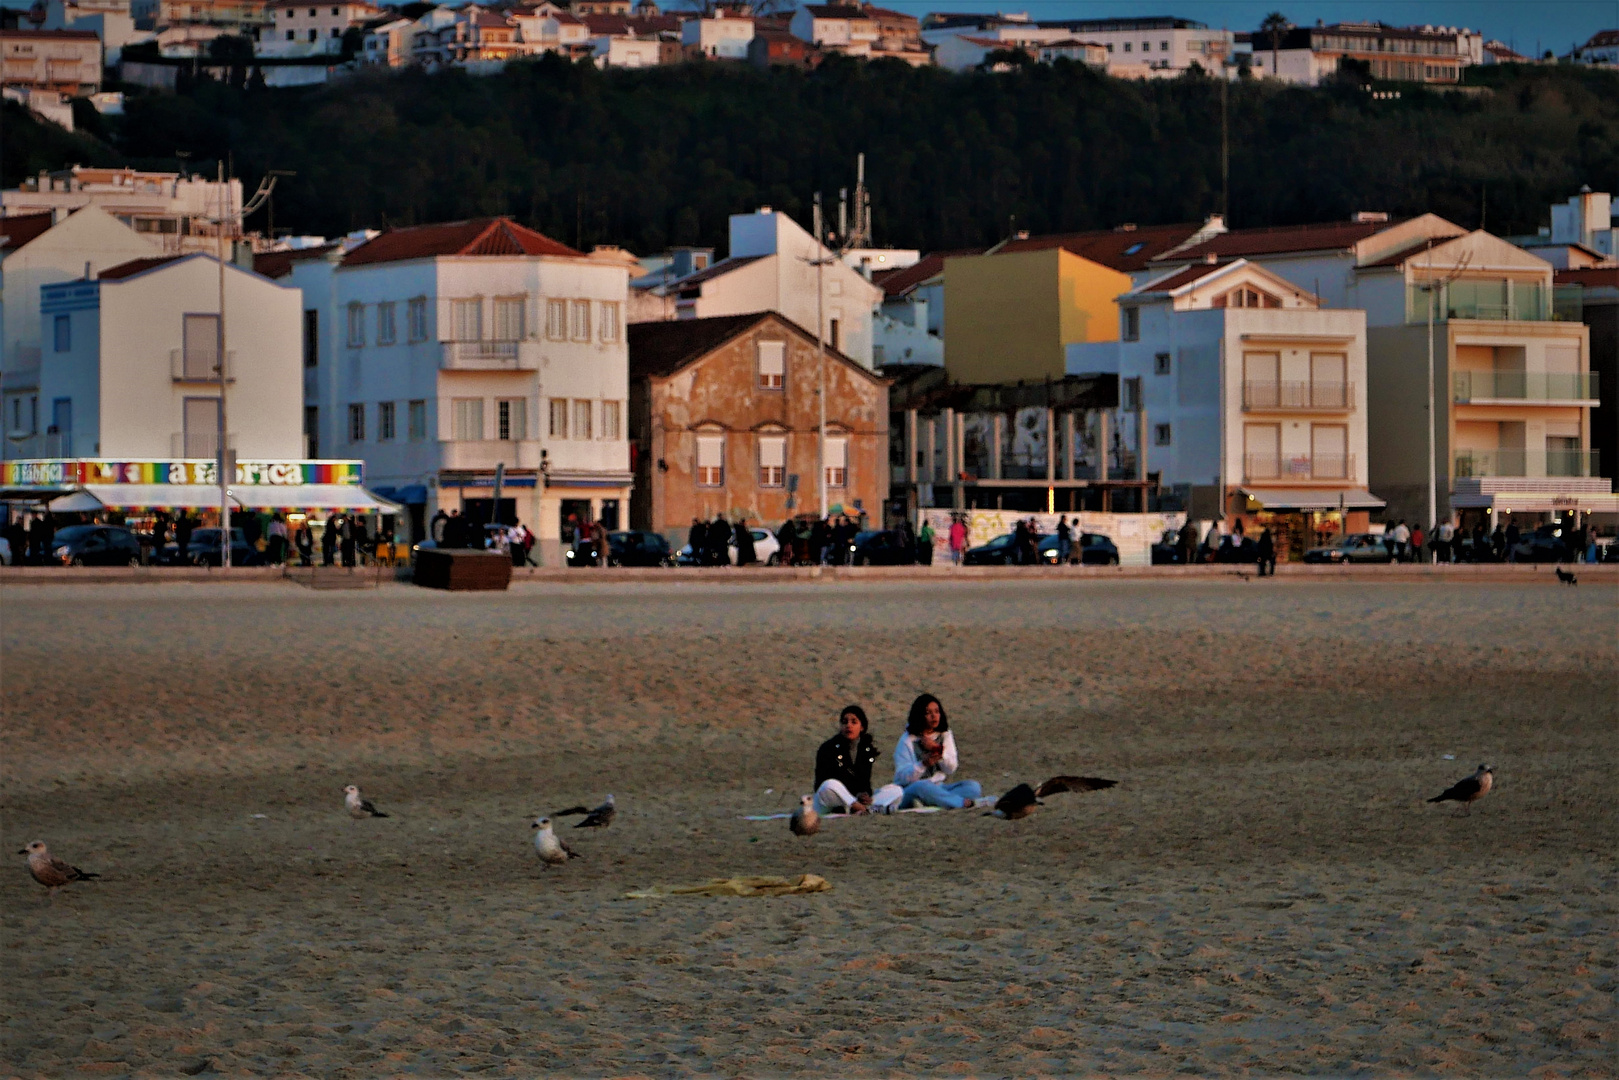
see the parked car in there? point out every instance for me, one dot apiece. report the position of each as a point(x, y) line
point(1167, 551)
point(1545, 544)
point(204, 550)
point(96, 545)
point(1091, 549)
point(881, 547)
point(998, 552)
point(766, 549)
point(630, 548)
point(1355, 548)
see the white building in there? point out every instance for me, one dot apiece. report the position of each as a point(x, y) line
point(109, 20)
point(66, 61)
point(723, 35)
point(173, 210)
point(1307, 55)
point(771, 268)
point(131, 365)
point(1144, 47)
point(440, 352)
point(1603, 48)
point(908, 328)
point(1587, 219)
point(306, 29)
point(36, 250)
point(1254, 395)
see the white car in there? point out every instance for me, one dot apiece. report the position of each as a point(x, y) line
point(766, 549)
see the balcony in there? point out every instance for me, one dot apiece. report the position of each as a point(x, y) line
point(48, 445)
point(198, 444)
point(1514, 387)
point(1498, 300)
point(485, 454)
point(1293, 467)
point(489, 356)
point(1527, 463)
point(200, 365)
point(1271, 396)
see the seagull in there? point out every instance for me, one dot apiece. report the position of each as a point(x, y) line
point(805, 821)
point(601, 817)
point(1470, 790)
point(552, 852)
point(50, 871)
point(358, 807)
point(1021, 800)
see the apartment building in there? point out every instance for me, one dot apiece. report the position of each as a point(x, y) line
point(109, 20)
point(723, 34)
point(175, 211)
point(304, 29)
point(60, 61)
point(1512, 371)
point(1422, 54)
point(439, 353)
point(1131, 48)
point(1250, 398)
point(861, 30)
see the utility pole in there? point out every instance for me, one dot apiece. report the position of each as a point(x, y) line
point(1432, 286)
point(225, 459)
point(820, 352)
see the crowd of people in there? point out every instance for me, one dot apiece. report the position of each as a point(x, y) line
point(925, 762)
point(30, 537)
point(451, 529)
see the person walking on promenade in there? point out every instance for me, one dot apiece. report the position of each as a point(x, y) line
point(1188, 543)
point(1065, 540)
point(1512, 538)
point(1267, 553)
point(719, 541)
point(958, 538)
point(787, 543)
point(277, 549)
point(328, 540)
point(1401, 537)
point(697, 539)
point(1417, 538)
point(1445, 542)
point(346, 528)
point(435, 528)
point(924, 544)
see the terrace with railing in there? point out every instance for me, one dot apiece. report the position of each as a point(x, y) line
point(1260, 395)
point(1527, 462)
point(1501, 300)
point(1540, 387)
point(1257, 467)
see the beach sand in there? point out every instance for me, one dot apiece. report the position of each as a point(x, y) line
point(1265, 892)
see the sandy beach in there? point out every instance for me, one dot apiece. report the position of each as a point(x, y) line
point(1266, 891)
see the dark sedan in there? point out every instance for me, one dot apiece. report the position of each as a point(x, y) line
point(203, 550)
point(1356, 548)
point(881, 547)
point(630, 548)
point(96, 545)
point(998, 552)
point(1545, 544)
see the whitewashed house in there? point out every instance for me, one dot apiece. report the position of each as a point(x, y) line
point(437, 353)
point(771, 267)
point(721, 35)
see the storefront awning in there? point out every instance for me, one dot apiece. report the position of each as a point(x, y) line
point(246, 497)
point(1538, 502)
point(1328, 499)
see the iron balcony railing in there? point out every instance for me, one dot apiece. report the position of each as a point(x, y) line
point(1525, 386)
point(1265, 395)
point(1299, 466)
point(1523, 463)
point(486, 356)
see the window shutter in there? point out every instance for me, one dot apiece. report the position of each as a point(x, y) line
point(772, 362)
point(773, 451)
point(837, 453)
point(710, 451)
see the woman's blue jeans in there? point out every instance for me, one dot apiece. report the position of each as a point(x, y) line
point(950, 796)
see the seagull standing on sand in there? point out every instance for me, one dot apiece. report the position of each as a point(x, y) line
point(552, 852)
point(599, 818)
point(805, 821)
point(359, 808)
point(50, 871)
point(1470, 790)
point(1021, 800)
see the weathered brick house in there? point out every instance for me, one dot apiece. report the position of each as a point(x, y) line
point(724, 420)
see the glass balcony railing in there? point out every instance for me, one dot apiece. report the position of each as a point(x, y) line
point(1499, 300)
point(1524, 386)
point(1262, 395)
point(1522, 463)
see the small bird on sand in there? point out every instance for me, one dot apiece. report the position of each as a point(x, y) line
point(805, 821)
point(1470, 790)
point(599, 818)
point(552, 851)
point(359, 808)
point(1021, 800)
point(1567, 578)
point(50, 871)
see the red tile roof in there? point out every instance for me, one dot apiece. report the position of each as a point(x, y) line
point(1589, 276)
point(1335, 236)
point(659, 349)
point(485, 236)
point(1186, 276)
point(900, 282)
point(1125, 249)
point(136, 266)
point(608, 25)
point(19, 229)
point(275, 264)
point(50, 35)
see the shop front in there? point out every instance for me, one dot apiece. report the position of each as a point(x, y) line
point(1302, 519)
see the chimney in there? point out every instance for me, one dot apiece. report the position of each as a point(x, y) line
point(1369, 217)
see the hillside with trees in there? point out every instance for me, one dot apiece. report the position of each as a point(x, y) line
point(653, 157)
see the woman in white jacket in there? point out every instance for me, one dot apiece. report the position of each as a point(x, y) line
point(925, 759)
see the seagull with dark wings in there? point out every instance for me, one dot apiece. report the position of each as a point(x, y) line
point(1021, 801)
point(1469, 790)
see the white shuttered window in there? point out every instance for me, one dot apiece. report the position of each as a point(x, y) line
point(710, 460)
point(467, 419)
point(772, 364)
point(837, 462)
point(772, 460)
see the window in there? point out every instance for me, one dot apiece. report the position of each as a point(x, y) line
point(466, 319)
point(611, 428)
point(335, 31)
point(200, 341)
point(832, 334)
point(772, 460)
point(417, 413)
point(556, 320)
point(511, 420)
point(416, 318)
point(311, 337)
point(1163, 46)
point(609, 322)
point(581, 418)
point(579, 320)
point(64, 333)
point(1126, 46)
point(837, 462)
point(559, 418)
point(385, 422)
point(385, 324)
point(466, 419)
point(1132, 323)
point(314, 35)
point(772, 364)
point(356, 423)
point(356, 325)
point(1244, 296)
point(509, 318)
point(710, 460)
point(1161, 434)
point(1160, 364)
point(290, 35)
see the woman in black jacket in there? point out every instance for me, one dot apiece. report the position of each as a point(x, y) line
point(843, 766)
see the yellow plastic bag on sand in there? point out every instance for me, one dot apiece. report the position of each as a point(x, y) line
point(738, 886)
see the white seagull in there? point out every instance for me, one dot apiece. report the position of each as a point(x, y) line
point(599, 818)
point(359, 808)
point(805, 821)
point(50, 871)
point(1469, 790)
point(552, 851)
